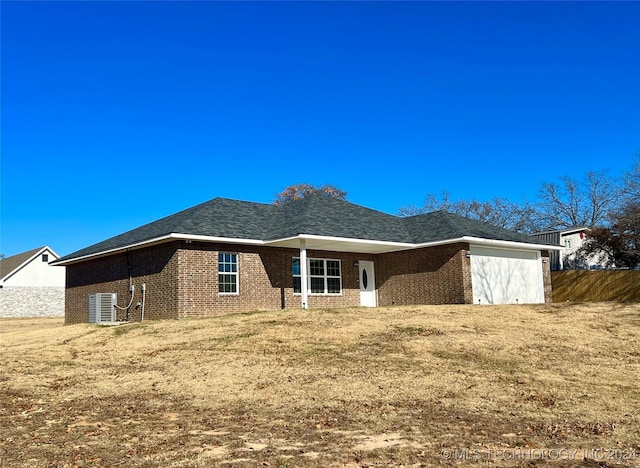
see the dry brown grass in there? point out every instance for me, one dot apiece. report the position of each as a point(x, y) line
point(351, 387)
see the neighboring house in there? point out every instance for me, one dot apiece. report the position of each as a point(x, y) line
point(571, 239)
point(30, 285)
point(226, 256)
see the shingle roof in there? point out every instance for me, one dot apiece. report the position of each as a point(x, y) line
point(440, 225)
point(324, 216)
point(312, 215)
point(9, 264)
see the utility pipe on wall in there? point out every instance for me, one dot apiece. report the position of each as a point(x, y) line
point(144, 290)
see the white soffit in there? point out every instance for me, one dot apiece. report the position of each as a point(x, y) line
point(337, 244)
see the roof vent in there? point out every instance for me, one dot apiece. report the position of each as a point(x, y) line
point(102, 307)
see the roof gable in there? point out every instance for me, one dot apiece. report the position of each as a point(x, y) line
point(9, 265)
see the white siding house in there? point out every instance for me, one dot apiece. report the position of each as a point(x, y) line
point(571, 240)
point(30, 286)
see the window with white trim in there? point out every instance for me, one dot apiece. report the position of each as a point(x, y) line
point(227, 273)
point(324, 276)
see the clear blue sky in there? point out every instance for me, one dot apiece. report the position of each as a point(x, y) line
point(115, 114)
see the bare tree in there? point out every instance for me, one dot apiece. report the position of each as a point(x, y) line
point(573, 203)
point(498, 212)
point(298, 191)
point(620, 241)
point(631, 181)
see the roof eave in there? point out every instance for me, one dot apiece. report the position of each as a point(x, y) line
point(491, 242)
point(156, 240)
point(562, 231)
point(510, 244)
point(371, 246)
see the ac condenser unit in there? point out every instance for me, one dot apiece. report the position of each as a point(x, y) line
point(102, 307)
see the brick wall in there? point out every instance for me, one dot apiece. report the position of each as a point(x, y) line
point(261, 277)
point(433, 275)
point(31, 302)
point(350, 279)
point(265, 280)
point(157, 266)
point(182, 279)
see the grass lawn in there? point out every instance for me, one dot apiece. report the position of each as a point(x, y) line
point(401, 386)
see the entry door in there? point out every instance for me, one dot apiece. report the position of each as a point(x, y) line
point(367, 284)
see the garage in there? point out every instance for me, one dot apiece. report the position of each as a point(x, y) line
point(505, 276)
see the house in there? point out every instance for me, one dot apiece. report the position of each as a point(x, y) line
point(226, 256)
point(30, 285)
point(570, 239)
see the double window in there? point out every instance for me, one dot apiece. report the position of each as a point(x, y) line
point(227, 273)
point(323, 276)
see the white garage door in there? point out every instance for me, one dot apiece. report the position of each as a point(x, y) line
point(501, 276)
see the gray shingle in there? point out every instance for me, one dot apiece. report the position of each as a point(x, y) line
point(315, 215)
point(324, 216)
point(440, 225)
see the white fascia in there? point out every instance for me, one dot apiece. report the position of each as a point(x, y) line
point(226, 240)
point(508, 244)
point(159, 240)
point(389, 246)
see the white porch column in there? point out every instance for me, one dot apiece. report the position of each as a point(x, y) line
point(303, 274)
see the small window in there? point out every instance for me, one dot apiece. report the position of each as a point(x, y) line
point(45, 258)
point(227, 273)
point(297, 284)
point(567, 244)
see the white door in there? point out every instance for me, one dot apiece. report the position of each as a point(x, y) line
point(502, 276)
point(367, 284)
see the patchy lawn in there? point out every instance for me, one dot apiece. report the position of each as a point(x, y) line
point(414, 386)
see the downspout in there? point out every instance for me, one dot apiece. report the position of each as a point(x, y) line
point(303, 274)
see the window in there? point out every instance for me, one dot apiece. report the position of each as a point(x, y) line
point(297, 288)
point(227, 273)
point(323, 276)
point(45, 258)
point(567, 243)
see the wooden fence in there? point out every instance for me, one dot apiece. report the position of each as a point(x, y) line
point(596, 286)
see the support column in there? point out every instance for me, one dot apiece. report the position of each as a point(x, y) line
point(304, 274)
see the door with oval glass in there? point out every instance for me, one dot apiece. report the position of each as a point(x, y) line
point(367, 284)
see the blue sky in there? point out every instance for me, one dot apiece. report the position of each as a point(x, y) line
point(115, 114)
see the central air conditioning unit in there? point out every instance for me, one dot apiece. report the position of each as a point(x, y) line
point(102, 307)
